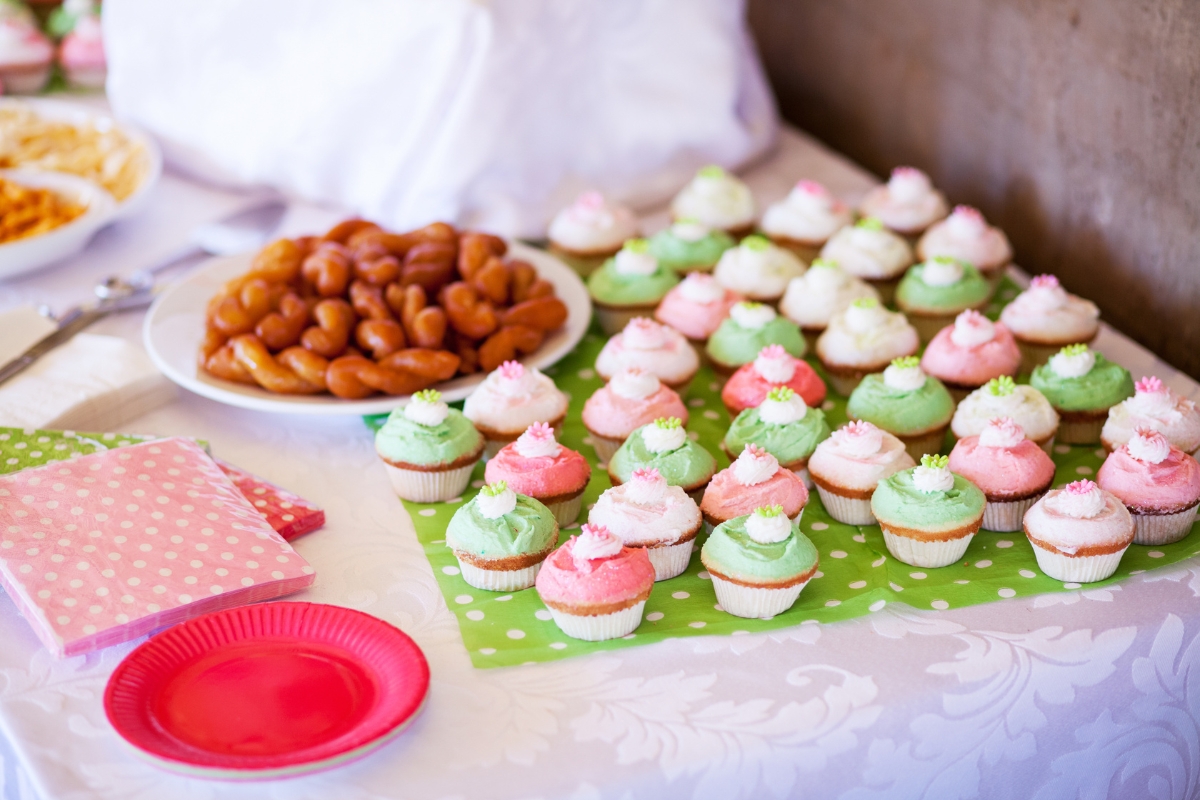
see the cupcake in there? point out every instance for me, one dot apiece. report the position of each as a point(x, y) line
point(1002, 397)
point(665, 446)
point(907, 203)
point(1157, 482)
point(848, 466)
point(783, 426)
point(969, 353)
point(25, 53)
point(1156, 407)
point(590, 231)
point(907, 403)
point(825, 289)
point(928, 514)
point(429, 449)
point(689, 246)
point(759, 563)
point(749, 328)
point(629, 285)
point(757, 269)
point(501, 538)
point(805, 219)
point(773, 367)
point(869, 251)
point(538, 466)
point(658, 349)
point(1082, 385)
point(594, 587)
point(863, 339)
point(1079, 532)
point(509, 400)
point(647, 513)
point(1012, 471)
point(718, 200)
point(933, 293)
point(966, 236)
point(696, 308)
point(754, 480)
point(81, 52)
point(1044, 319)
point(632, 398)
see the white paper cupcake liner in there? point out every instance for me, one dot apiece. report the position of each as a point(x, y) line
point(605, 626)
point(917, 553)
point(418, 486)
point(1077, 569)
point(755, 602)
point(566, 511)
point(847, 510)
point(605, 448)
point(1162, 528)
point(670, 560)
point(1005, 516)
point(499, 580)
point(1080, 432)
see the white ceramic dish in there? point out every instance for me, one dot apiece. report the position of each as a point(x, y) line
point(24, 255)
point(175, 325)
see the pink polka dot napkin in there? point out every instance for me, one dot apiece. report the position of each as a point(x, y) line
point(108, 547)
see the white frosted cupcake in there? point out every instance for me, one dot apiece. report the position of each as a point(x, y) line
point(646, 345)
point(966, 236)
point(861, 340)
point(591, 230)
point(1045, 318)
point(848, 466)
point(907, 203)
point(825, 289)
point(1002, 397)
point(805, 219)
point(647, 513)
point(1079, 532)
point(757, 269)
point(718, 200)
point(510, 399)
point(1156, 407)
point(869, 251)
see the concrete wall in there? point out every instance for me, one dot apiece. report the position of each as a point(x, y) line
point(1073, 126)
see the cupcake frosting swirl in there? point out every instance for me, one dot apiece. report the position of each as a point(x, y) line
point(1087, 381)
point(866, 334)
point(1156, 407)
point(525, 528)
point(1148, 473)
point(652, 347)
point(513, 397)
point(1045, 312)
point(646, 511)
point(1079, 515)
point(965, 235)
point(1001, 397)
point(858, 456)
point(591, 224)
point(824, 290)
point(731, 551)
point(907, 202)
point(868, 250)
point(809, 213)
point(716, 199)
point(757, 268)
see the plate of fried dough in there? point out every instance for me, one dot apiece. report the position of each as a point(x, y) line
point(355, 320)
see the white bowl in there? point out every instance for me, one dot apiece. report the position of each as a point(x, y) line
point(23, 255)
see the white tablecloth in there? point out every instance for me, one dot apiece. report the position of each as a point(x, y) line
point(1085, 694)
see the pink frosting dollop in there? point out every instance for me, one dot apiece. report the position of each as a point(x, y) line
point(1172, 483)
point(972, 366)
point(694, 320)
point(84, 46)
point(567, 580)
point(1003, 472)
point(747, 387)
point(726, 497)
point(542, 476)
point(608, 414)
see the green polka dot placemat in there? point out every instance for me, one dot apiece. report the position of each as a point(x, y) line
point(25, 448)
point(857, 575)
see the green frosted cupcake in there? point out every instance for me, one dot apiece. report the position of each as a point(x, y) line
point(928, 514)
point(629, 285)
point(746, 331)
point(1082, 385)
point(501, 538)
point(783, 426)
point(931, 294)
point(664, 445)
point(689, 246)
point(429, 449)
point(907, 403)
point(759, 563)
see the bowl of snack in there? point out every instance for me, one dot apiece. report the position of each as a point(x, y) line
point(355, 320)
point(47, 216)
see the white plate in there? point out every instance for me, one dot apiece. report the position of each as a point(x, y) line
point(24, 255)
point(174, 328)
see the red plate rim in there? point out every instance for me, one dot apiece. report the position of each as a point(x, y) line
point(393, 659)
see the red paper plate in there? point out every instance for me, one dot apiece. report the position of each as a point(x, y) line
point(267, 691)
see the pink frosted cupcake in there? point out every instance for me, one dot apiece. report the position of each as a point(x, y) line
point(510, 399)
point(1079, 532)
point(1012, 471)
point(82, 51)
point(647, 513)
point(696, 307)
point(752, 481)
point(966, 236)
point(848, 466)
point(538, 466)
point(594, 586)
point(632, 398)
point(907, 203)
point(1158, 483)
point(25, 53)
point(1156, 407)
point(1045, 318)
point(970, 353)
point(774, 367)
point(655, 348)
